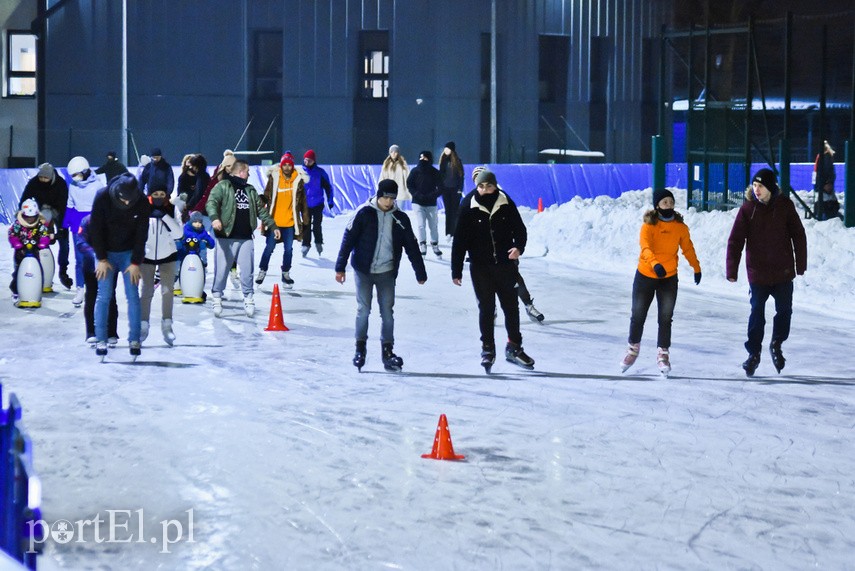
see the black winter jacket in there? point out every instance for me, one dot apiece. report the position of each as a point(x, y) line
point(486, 235)
point(424, 184)
point(53, 194)
point(360, 237)
point(116, 229)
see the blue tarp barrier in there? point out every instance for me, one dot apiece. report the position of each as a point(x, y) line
point(525, 183)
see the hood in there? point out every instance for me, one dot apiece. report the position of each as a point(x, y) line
point(93, 179)
point(373, 203)
point(24, 223)
point(749, 195)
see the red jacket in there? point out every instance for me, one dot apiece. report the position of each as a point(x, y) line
point(774, 241)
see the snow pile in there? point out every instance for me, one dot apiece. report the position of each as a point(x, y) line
point(602, 233)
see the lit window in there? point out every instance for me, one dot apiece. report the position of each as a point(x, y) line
point(20, 64)
point(375, 73)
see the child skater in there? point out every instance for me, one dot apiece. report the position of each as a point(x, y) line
point(82, 244)
point(196, 240)
point(27, 233)
point(662, 233)
point(160, 254)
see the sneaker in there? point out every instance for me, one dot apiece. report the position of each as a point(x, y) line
point(533, 313)
point(79, 296)
point(166, 329)
point(249, 305)
point(217, 305)
point(663, 360)
point(112, 342)
point(751, 363)
point(423, 248)
point(135, 348)
point(514, 354)
point(777, 356)
point(261, 275)
point(233, 277)
point(305, 251)
point(319, 248)
point(630, 357)
point(436, 251)
point(286, 279)
point(66, 281)
point(144, 327)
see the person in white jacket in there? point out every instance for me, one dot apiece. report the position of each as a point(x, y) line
point(395, 168)
point(161, 254)
point(83, 185)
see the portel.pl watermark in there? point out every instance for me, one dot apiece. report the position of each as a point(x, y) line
point(114, 526)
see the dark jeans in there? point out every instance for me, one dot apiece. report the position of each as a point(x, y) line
point(287, 240)
point(783, 295)
point(385, 285)
point(451, 199)
point(89, 306)
point(643, 291)
point(490, 281)
point(316, 218)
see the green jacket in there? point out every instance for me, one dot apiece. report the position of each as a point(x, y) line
point(221, 206)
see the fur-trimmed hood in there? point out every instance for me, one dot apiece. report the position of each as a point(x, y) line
point(749, 194)
point(652, 217)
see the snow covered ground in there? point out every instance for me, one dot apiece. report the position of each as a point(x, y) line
point(291, 459)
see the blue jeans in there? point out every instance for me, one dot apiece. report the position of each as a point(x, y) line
point(783, 295)
point(120, 262)
point(385, 284)
point(287, 242)
point(643, 291)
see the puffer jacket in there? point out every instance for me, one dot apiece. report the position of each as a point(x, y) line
point(660, 240)
point(160, 245)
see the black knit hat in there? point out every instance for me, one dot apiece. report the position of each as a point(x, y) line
point(767, 178)
point(387, 188)
point(428, 156)
point(659, 194)
point(450, 145)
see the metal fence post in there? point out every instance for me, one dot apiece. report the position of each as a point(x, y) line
point(849, 188)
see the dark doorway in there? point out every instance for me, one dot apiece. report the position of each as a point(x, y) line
point(371, 103)
point(552, 91)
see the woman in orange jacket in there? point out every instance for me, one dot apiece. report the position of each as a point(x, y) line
point(662, 234)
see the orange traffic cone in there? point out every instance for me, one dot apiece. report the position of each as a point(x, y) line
point(442, 447)
point(276, 323)
point(540, 204)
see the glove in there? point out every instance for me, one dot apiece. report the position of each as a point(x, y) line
point(331, 205)
point(181, 202)
point(660, 271)
point(697, 278)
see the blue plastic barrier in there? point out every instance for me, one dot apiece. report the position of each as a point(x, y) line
point(20, 494)
point(526, 183)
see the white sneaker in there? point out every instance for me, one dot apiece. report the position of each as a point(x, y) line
point(233, 276)
point(630, 357)
point(261, 275)
point(144, 327)
point(217, 304)
point(79, 296)
point(305, 251)
point(166, 329)
point(249, 305)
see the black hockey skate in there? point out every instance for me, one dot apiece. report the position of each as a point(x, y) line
point(135, 349)
point(101, 350)
point(751, 363)
point(359, 356)
point(391, 362)
point(514, 354)
point(777, 356)
point(488, 356)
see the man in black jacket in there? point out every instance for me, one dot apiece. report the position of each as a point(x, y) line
point(118, 229)
point(491, 231)
point(376, 235)
point(112, 168)
point(51, 193)
point(424, 184)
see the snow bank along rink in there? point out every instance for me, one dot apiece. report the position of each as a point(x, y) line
point(290, 459)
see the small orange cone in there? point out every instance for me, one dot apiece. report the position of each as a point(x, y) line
point(276, 323)
point(442, 447)
point(540, 204)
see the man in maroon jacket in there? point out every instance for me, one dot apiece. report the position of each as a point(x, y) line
point(770, 229)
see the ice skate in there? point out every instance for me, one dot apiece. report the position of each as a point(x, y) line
point(91, 340)
point(287, 282)
point(751, 363)
point(320, 248)
point(64, 279)
point(423, 248)
point(391, 362)
point(777, 356)
point(259, 279)
point(112, 342)
point(233, 277)
point(134, 347)
point(249, 305)
point(533, 313)
point(514, 354)
point(217, 305)
point(79, 296)
point(436, 251)
point(663, 360)
point(488, 356)
point(166, 329)
point(101, 350)
point(630, 357)
point(304, 250)
point(359, 355)
point(144, 327)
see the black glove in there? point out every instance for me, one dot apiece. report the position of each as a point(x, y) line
point(697, 278)
point(660, 271)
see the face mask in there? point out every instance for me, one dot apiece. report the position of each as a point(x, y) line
point(158, 201)
point(666, 212)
